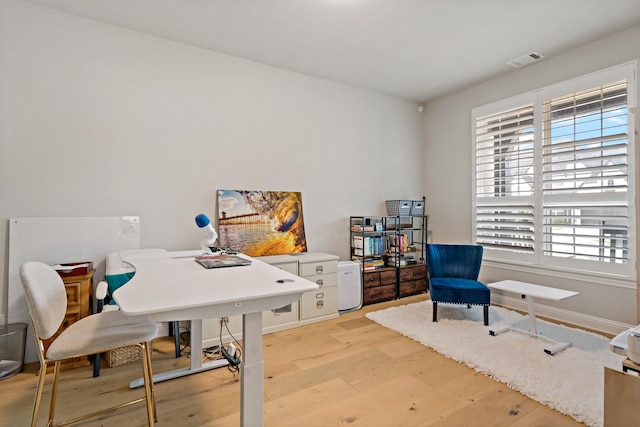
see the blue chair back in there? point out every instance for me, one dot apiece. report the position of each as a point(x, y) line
point(454, 261)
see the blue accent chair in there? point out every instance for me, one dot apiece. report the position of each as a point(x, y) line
point(453, 277)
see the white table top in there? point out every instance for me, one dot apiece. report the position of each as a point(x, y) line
point(529, 289)
point(173, 286)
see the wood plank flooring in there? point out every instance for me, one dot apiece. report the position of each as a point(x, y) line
point(346, 371)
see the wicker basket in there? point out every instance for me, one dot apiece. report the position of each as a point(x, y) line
point(123, 355)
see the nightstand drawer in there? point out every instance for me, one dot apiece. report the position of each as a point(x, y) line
point(74, 293)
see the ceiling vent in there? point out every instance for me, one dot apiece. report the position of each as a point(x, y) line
point(525, 60)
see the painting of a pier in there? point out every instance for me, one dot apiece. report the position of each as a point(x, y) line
point(261, 223)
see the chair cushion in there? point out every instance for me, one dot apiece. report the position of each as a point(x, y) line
point(459, 291)
point(101, 332)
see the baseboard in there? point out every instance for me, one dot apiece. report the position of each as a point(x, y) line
point(319, 319)
point(574, 318)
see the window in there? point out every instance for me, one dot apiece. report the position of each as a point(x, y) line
point(554, 178)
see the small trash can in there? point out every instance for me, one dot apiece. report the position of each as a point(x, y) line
point(12, 341)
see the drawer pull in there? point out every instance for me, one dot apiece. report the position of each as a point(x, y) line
point(320, 295)
point(319, 304)
point(320, 282)
point(319, 269)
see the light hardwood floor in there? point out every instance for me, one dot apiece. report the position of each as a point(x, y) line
point(346, 371)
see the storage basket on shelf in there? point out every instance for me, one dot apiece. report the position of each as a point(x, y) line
point(399, 207)
point(417, 208)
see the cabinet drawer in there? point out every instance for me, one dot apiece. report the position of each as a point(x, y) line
point(420, 271)
point(388, 277)
point(74, 293)
point(379, 293)
point(413, 287)
point(291, 267)
point(371, 279)
point(319, 303)
point(285, 315)
point(406, 273)
point(319, 267)
point(324, 280)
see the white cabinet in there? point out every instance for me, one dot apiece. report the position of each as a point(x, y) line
point(314, 306)
point(320, 304)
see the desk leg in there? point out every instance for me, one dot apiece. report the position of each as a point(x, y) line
point(195, 342)
point(252, 381)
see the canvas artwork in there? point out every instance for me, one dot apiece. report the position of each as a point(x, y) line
point(260, 223)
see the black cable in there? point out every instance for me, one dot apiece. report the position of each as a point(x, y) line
point(234, 359)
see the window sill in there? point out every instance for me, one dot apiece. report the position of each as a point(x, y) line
point(600, 279)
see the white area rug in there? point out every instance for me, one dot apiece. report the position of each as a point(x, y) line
point(571, 382)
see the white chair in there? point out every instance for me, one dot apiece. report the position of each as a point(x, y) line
point(47, 300)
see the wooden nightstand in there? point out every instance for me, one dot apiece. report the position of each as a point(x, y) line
point(79, 290)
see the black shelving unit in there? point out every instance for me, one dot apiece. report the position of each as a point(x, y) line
point(391, 251)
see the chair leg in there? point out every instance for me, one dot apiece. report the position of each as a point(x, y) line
point(435, 311)
point(148, 384)
point(151, 383)
point(486, 315)
point(54, 392)
point(36, 403)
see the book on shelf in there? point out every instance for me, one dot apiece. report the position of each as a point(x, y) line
point(358, 228)
point(399, 242)
point(366, 245)
point(373, 264)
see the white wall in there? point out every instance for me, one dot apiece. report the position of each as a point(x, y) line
point(449, 148)
point(101, 121)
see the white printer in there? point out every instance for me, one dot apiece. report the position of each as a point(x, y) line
point(627, 343)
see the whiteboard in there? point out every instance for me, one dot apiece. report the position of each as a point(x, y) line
point(55, 240)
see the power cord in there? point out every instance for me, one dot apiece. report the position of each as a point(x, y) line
point(230, 352)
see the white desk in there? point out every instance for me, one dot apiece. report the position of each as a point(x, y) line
point(530, 292)
point(174, 287)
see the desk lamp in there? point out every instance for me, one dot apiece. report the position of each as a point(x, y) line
point(208, 243)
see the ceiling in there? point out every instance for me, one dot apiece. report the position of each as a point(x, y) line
point(413, 49)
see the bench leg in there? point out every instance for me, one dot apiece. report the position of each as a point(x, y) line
point(435, 311)
point(486, 315)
